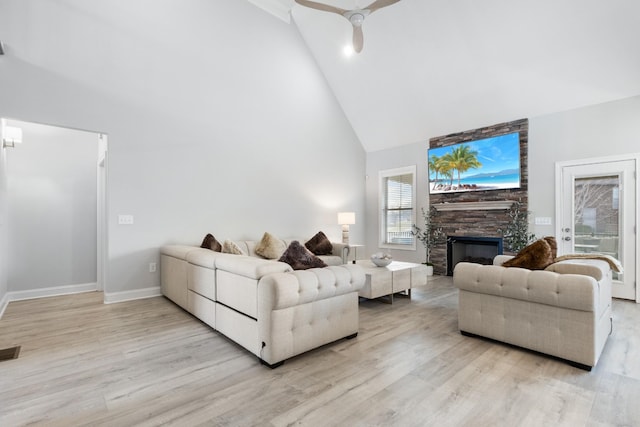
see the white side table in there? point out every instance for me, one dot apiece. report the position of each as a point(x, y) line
point(355, 251)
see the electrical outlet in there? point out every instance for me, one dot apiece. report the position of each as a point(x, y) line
point(152, 267)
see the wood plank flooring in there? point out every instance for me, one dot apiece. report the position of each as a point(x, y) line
point(149, 363)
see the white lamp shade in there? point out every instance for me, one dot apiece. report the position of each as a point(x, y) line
point(12, 135)
point(346, 218)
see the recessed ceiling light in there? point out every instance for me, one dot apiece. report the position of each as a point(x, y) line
point(348, 50)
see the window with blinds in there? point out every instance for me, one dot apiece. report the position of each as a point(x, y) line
point(397, 197)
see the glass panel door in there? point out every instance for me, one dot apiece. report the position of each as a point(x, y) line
point(596, 213)
point(596, 202)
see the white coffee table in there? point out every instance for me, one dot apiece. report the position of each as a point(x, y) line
point(393, 279)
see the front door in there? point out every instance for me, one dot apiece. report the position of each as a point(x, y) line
point(596, 213)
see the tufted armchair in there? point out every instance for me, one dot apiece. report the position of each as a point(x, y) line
point(564, 311)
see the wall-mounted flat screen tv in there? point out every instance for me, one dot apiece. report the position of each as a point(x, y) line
point(480, 165)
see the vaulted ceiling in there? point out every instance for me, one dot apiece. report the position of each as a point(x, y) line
point(433, 67)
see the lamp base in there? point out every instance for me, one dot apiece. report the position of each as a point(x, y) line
point(345, 234)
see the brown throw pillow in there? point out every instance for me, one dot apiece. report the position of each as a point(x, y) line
point(553, 244)
point(210, 242)
point(301, 258)
point(319, 244)
point(537, 256)
point(270, 247)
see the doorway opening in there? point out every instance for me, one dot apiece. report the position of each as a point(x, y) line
point(56, 211)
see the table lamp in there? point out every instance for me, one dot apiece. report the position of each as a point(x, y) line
point(345, 219)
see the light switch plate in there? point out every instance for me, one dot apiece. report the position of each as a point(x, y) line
point(543, 220)
point(125, 219)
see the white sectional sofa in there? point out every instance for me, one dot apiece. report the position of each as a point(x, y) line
point(563, 311)
point(263, 305)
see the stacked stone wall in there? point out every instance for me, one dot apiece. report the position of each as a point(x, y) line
point(478, 223)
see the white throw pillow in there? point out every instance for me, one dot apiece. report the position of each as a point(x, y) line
point(230, 247)
point(270, 247)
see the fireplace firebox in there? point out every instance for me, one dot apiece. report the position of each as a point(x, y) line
point(480, 250)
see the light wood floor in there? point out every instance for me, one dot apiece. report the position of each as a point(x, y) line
point(147, 362)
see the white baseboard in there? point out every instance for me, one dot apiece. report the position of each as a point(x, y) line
point(52, 292)
point(113, 297)
point(109, 298)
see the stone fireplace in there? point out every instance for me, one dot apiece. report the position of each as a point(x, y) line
point(477, 213)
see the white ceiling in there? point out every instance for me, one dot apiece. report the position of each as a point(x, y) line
point(433, 67)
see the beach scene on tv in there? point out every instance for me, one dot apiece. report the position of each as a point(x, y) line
point(484, 164)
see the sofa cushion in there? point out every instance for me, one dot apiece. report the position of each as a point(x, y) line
point(248, 266)
point(270, 247)
point(331, 259)
point(210, 242)
point(230, 247)
point(536, 256)
point(319, 244)
point(301, 258)
point(203, 257)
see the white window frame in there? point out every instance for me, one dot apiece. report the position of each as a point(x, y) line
point(382, 226)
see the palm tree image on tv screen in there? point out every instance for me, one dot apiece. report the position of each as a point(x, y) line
point(483, 164)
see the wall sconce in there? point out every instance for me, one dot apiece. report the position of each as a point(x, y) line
point(1, 48)
point(345, 219)
point(11, 136)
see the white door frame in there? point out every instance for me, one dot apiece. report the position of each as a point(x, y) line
point(560, 195)
point(102, 212)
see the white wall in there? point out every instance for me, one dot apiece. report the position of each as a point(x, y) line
point(217, 116)
point(407, 155)
point(52, 202)
point(607, 129)
point(601, 130)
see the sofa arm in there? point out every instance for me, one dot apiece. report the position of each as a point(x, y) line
point(178, 251)
point(588, 267)
point(282, 290)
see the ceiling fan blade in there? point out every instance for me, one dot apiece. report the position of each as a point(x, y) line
point(321, 6)
point(379, 4)
point(358, 38)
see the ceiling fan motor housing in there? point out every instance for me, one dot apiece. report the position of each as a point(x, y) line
point(356, 17)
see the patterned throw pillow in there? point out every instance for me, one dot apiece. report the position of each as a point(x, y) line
point(319, 244)
point(537, 256)
point(210, 242)
point(230, 247)
point(270, 247)
point(301, 258)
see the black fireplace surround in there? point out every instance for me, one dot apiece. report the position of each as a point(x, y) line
point(480, 250)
